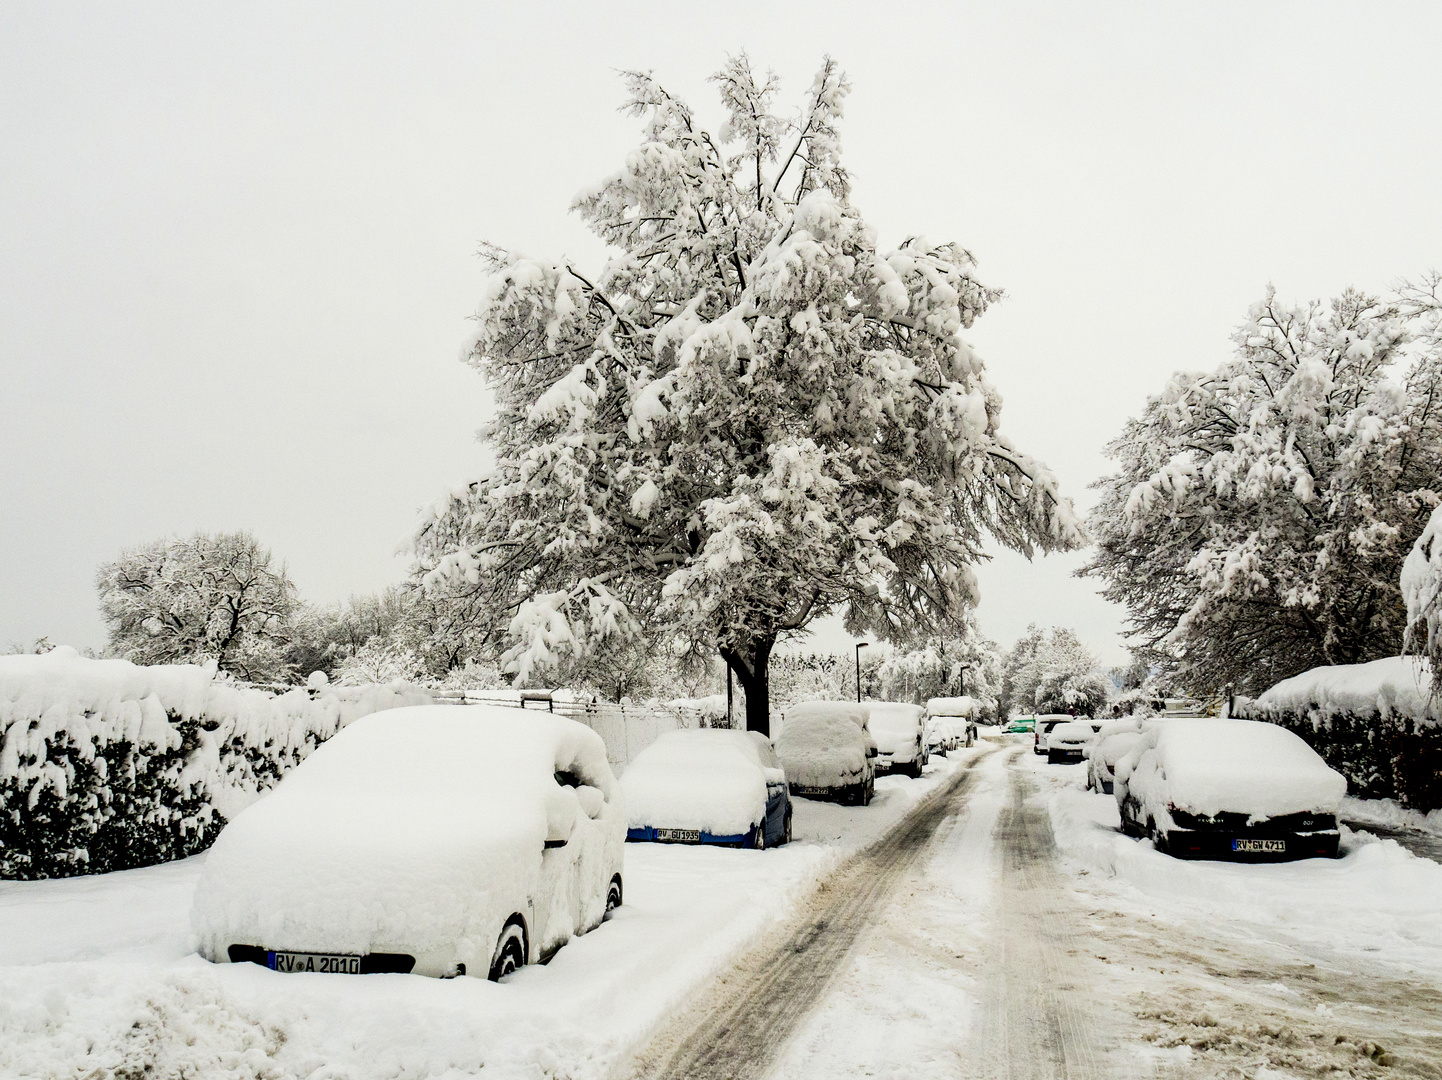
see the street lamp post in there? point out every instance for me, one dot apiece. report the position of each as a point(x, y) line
point(859, 646)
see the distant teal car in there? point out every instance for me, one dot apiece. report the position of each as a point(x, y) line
point(1021, 724)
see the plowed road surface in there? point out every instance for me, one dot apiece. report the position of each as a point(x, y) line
point(958, 946)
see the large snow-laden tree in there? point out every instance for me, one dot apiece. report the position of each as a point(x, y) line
point(1421, 580)
point(1257, 524)
point(1051, 671)
point(197, 598)
point(750, 417)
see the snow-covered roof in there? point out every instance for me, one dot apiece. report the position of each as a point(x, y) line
point(858, 713)
point(708, 779)
point(1394, 685)
point(951, 706)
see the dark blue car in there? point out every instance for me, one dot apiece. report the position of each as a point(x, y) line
point(708, 786)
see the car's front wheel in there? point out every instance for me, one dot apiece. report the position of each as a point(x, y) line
point(510, 952)
point(787, 838)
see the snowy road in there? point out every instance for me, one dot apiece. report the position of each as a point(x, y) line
point(987, 921)
point(990, 952)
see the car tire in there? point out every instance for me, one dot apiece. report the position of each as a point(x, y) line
point(510, 952)
point(614, 895)
point(869, 791)
point(760, 844)
point(786, 839)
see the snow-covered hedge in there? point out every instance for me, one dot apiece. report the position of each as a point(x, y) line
point(1374, 723)
point(105, 765)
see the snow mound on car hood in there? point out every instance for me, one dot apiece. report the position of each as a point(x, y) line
point(710, 780)
point(1210, 766)
point(415, 830)
point(826, 750)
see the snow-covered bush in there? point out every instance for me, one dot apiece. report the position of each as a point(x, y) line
point(1258, 521)
point(1375, 723)
point(106, 765)
point(754, 414)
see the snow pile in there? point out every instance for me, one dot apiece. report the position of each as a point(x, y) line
point(712, 780)
point(712, 707)
point(856, 712)
point(1208, 767)
point(951, 706)
point(1374, 723)
point(1393, 686)
point(896, 728)
point(421, 831)
point(106, 765)
point(1377, 901)
point(1389, 814)
point(823, 747)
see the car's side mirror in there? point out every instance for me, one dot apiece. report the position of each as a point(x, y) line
point(871, 751)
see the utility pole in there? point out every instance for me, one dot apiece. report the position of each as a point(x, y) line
point(859, 646)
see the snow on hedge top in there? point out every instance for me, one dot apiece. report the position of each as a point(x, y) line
point(857, 713)
point(894, 725)
point(1399, 685)
point(1211, 766)
point(951, 706)
point(708, 779)
point(822, 748)
point(416, 830)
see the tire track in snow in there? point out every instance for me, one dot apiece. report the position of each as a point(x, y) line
point(763, 998)
point(1035, 1028)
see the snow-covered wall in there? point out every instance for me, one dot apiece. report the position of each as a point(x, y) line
point(1375, 723)
point(105, 765)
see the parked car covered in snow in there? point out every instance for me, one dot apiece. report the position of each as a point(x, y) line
point(899, 731)
point(960, 714)
point(1042, 729)
point(1113, 742)
point(827, 751)
point(1229, 789)
point(1067, 743)
point(441, 840)
point(708, 787)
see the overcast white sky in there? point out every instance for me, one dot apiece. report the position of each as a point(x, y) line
point(237, 241)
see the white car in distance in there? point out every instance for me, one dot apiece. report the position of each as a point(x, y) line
point(899, 731)
point(440, 840)
point(1067, 742)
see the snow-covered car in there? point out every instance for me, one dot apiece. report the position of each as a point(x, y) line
point(708, 786)
point(1113, 743)
point(960, 715)
point(1067, 743)
point(900, 737)
point(827, 751)
point(441, 840)
point(1042, 729)
point(1229, 789)
point(942, 734)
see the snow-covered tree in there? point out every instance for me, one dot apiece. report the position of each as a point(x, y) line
point(1051, 671)
point(971, 666)
point(750, 417)
point(197, 598)
point(1421, 580)
point(1259, 518)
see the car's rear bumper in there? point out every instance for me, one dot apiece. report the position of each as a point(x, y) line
point(661, 835)
point(1064, 755)
point(1235, 846)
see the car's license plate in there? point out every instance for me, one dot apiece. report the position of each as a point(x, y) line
point(812, 790)
point(329, 963)
point(689, 835)
point(1259, 845)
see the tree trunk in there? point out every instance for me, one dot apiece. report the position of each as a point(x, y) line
point(751, 668)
